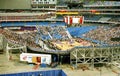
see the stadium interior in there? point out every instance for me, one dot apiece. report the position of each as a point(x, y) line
point(39, 27)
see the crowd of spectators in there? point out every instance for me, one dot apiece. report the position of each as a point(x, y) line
point(1, 30)
point(55, 32)
point(102, 33)
point(92, 17)
point(100, 18)
point(22, 39)
point(117, 19)
point(105, 34)
point(26, 38)
point(58, 31)
point(29, 38)
point(27, 17)
point(105, 3)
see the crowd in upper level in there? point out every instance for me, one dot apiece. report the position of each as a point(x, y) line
point(26, 17)
point(104, 3)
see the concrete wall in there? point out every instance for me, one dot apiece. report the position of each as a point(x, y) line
point(15, 4)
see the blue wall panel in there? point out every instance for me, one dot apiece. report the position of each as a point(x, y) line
point(38, 73)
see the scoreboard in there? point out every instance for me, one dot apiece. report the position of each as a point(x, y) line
point(73, 20)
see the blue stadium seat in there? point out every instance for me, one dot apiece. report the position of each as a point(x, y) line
point(79, 31)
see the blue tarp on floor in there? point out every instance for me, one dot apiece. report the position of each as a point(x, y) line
point(38, 73)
